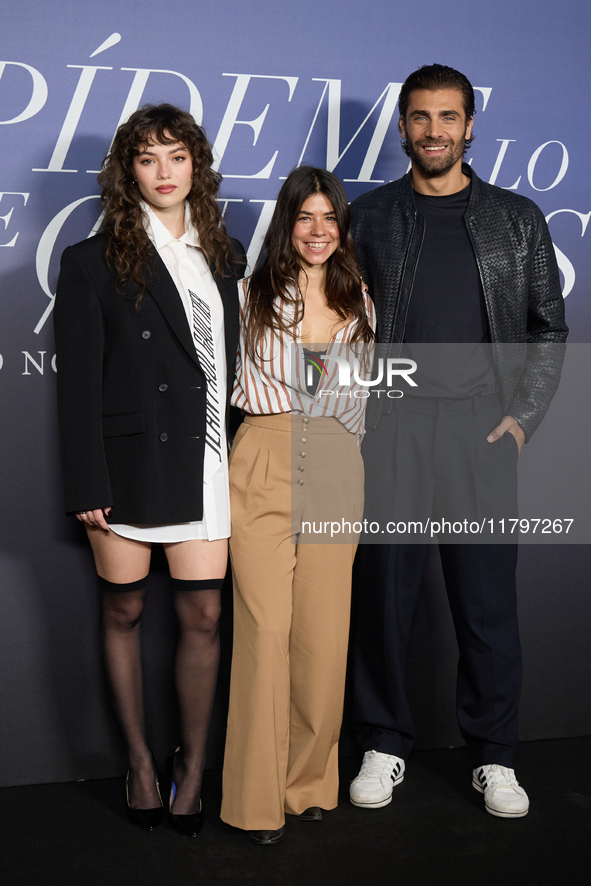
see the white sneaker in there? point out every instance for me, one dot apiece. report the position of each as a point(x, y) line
point(503, 795)
point(377, 777)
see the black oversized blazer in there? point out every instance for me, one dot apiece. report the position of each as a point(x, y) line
point(131, 392)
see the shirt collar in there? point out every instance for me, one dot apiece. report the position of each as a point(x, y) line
point(159, 233)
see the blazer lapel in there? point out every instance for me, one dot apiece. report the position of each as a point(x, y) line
point(163, 289)
point(228, 289)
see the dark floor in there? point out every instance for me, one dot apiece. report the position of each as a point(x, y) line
point(434, 832)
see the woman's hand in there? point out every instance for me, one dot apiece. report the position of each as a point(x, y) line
point(95, 518)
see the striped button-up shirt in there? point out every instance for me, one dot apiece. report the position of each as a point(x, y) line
point(282, 381)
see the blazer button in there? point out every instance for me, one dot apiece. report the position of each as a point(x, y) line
point(163, 387)
point(146, 333)
point(163, 437)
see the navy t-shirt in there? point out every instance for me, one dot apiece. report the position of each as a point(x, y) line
point(447, 305)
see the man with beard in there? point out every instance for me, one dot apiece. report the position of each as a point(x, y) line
point(448, 259)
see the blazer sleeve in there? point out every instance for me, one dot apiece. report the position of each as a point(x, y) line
point(80, 344)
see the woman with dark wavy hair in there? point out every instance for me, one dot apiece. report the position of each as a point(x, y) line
point(146, 324)
point(295, 469)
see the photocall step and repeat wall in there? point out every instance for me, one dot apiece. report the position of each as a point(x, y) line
point(275, 85)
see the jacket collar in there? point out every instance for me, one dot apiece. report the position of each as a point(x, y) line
point(407, 190)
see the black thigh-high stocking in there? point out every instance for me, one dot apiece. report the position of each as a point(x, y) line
point(197, 605)
point(121, 612)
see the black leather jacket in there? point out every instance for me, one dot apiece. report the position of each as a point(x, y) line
point(519, 275)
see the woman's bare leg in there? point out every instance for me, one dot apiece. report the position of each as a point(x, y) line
point(197, 656)
point(121, 561)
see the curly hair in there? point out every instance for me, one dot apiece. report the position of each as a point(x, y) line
point(128, 244)
point(435, 77)
point(275, 282)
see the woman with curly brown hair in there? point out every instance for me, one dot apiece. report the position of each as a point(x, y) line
point(146, 324)
point(295, 469)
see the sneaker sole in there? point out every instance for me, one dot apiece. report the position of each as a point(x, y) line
point(496, 812)
point(505, 814)
point(380, 803)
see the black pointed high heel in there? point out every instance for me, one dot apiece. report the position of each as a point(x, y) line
point(266, 838)
point(187, 825)
point(312, 813)
point(146, 819)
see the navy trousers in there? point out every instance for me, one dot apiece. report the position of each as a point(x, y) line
point(442, 461)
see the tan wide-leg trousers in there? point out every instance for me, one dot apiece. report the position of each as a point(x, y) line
point(291, 615)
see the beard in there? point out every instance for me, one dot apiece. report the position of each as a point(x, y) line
point(435, 166)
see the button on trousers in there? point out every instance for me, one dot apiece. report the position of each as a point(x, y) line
point(291, 615)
